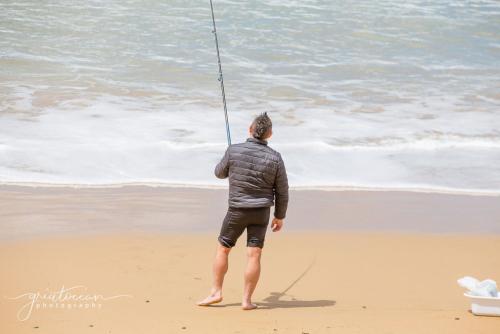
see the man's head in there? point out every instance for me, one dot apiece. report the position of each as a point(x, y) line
point(261, 127)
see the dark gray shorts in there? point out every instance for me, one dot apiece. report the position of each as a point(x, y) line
point(255, 220)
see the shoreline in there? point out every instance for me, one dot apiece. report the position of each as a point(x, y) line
point(425, 190)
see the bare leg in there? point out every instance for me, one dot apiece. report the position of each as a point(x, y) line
point(252, 274)
point(219, 270)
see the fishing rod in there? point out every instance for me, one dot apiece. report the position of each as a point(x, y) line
point(221, 78)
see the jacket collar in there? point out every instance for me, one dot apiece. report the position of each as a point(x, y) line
point(255, 140)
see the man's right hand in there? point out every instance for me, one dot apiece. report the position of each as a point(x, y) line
point(276, 224)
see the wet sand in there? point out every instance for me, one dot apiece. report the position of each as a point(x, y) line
point(31, 212)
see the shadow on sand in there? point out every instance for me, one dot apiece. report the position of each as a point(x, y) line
point(274, 299)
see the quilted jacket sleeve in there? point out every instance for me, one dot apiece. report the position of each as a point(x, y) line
point(281, 191)
point(222, 168)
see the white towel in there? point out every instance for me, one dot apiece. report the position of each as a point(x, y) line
point(486, 288)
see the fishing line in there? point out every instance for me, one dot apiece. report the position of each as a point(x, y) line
point(221, 78)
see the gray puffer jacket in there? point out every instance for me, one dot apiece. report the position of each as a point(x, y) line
point(257, 176)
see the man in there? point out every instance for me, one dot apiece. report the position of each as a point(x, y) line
point(257, 181)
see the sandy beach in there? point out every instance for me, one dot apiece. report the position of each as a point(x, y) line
point(374, 125)
point(146, 254)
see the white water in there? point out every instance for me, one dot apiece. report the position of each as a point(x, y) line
point(368, 94)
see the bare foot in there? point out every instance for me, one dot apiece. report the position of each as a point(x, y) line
point(212, 299)
point(248, 306)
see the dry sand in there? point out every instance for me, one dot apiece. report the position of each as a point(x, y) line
point(320, 275)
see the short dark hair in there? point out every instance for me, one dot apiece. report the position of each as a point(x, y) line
point(261, 126)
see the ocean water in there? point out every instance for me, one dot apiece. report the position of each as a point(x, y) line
point(366, 94)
